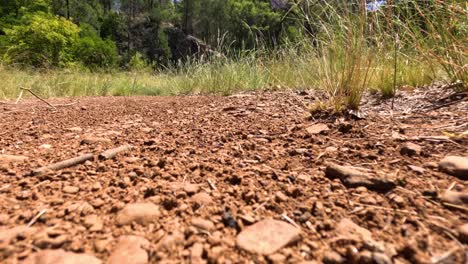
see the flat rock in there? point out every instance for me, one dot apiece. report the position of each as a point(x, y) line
point(411, 149)
point(201, 198)
point(332, 257)
point(196, 252)
point(267, 236)
point(5, 158)
point(280, 197)
point(93, 223)
point(70, 189)
point(317, 128)
point(141, 213)
point(190, 188)
point(381, 258)
point(203, 224)
point(171, 241)
point(44, 241)
point(347, 228)
point(4, 218)
point(416, 169)
point(456, 166)
point(130, 250)
point(353, 177)
point(60, 256)
point(8, 235)
point(96, 187)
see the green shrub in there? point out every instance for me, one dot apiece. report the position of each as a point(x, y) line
point(95, 52)
point(137, 62)
point(42, 40)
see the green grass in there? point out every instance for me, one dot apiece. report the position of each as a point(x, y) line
point(355, 53)
point(290, 71)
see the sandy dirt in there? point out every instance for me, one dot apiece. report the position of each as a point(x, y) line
point(250, 178)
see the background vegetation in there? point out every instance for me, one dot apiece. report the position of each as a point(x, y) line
point(125, 47)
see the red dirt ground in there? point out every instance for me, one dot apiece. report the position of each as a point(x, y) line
point(252, 157)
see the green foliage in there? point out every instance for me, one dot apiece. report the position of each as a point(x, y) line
point(348, 50)
point(80, 11)
point(42, 41)
point(19, 8)
point(162, 42)
point(3, 45)
point(113, 27)
point(137, 62)
point(252, 22)
point(95, 52)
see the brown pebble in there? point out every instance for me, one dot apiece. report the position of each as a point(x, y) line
point(203, 224)
point(70, 189)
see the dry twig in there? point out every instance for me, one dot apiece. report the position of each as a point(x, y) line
point(446, 255)
point(262, 205)
point(43, 211)
point(65, 164)
point(212, 185)
point(460, 207)
point(289, 220)
point(38, 97)
point(111, 153)
point(19, 97)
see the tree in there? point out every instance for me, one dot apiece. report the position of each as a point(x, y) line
point(43, 40)
point(18, 8)
point(79, 11)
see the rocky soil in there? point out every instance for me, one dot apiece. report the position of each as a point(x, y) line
point(250, 178)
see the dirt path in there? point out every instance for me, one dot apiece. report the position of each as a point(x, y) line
point(205, 174)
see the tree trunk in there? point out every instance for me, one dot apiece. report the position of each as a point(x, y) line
point(188, 17)
point(68, 9)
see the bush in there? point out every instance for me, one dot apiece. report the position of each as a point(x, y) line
point(94, 52)
point(42, 40)
point(138, 63)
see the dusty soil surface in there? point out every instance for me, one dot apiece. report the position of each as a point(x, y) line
point(205, 176)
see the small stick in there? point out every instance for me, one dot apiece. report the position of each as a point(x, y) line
point(212, 185)
point(111, 153)
point(286, 217)
point(463, 208)
point(4, 187)
point(446, 255)
point(41, 183)
point(37, 96)
point(43, 211)
point(261, 205)
point(451, 186)
point(65, 164)
point(19, 97)
point(70, 104)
